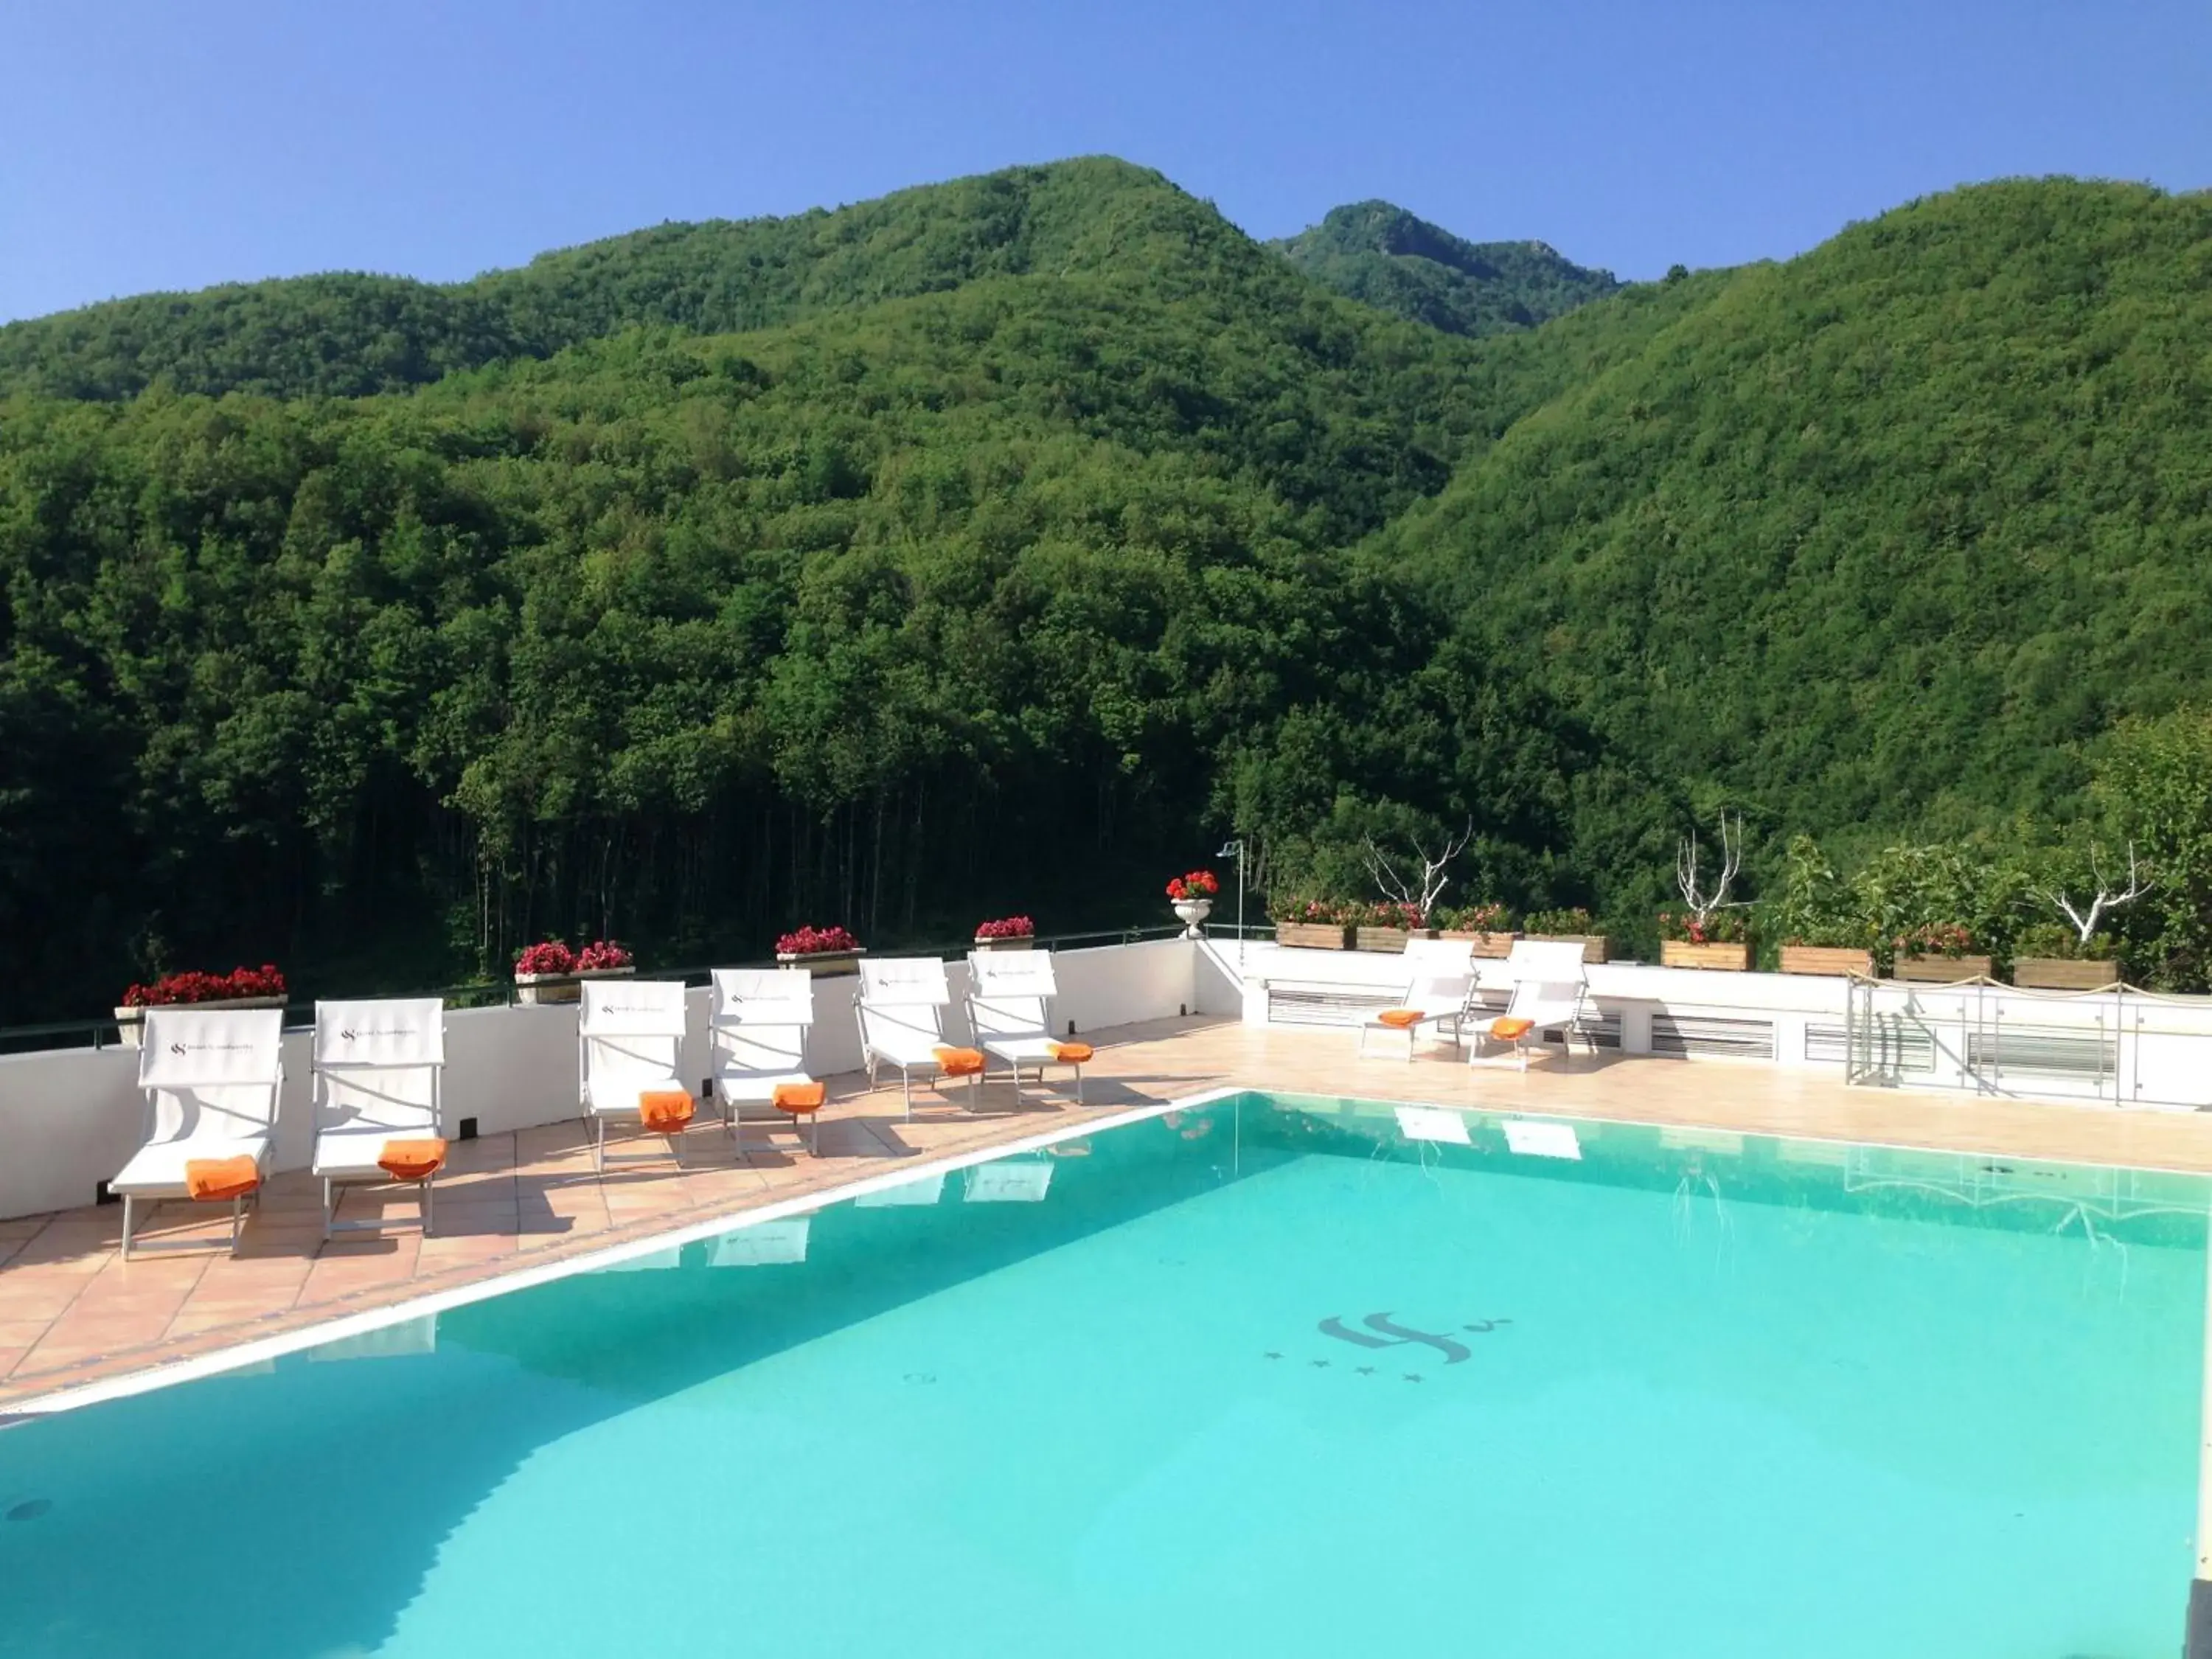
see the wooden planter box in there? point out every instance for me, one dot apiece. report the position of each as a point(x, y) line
point(1596, 947)
point(1941, 971)
point(2063, 974)
point(1313, 935)
point(1022, 942)
point(1391, 940)
point(1495, 946)
point(1827, 959)
point(531, 990)
point(129, 1023)
point(825, 965)
point(1682, 953)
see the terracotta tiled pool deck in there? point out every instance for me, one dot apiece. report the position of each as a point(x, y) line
point(72, 1312)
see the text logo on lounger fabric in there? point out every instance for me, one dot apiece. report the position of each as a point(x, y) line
point(209, 1047)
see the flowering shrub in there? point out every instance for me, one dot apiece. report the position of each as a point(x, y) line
point(1324, 913)
point(1476, 919)
point(2052, 938)
point(1722, 928)
point(1407, 916)
point(1570, 921)
point(816, 941)
point(1938, 939)
point(1007, 927)
point(549, 957)
point(1194, 884)
point(262, 982)
point(552, 957)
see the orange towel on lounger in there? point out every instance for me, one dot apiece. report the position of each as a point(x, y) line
point(799, 1098)
point(412, 1160)
point(1505, 1030)
point(959, 1062)
point(1400, 1020)
point(665, 1110)
point(1071, 1053)
point(221, 1177)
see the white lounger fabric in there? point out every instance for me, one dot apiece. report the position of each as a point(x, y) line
point(1439, 984)
point(378, 1065)
point(1009, 1009)
point(1550, 991)
point(757, 1029)
point(900, 1004)
point(212, 1078)
point(630, 1043)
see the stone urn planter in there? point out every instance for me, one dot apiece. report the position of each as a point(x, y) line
point(536, 990)
point(1313, 935)
point(2064, 973)
point(826, 964)
point(130, 1023)
point(1596, 947)
point(1833, 959)
point(1192, 913)
point(1941, 971)
point(1733, 958)
point(1491, 947)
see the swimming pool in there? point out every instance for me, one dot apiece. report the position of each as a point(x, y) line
point(1269, 1377)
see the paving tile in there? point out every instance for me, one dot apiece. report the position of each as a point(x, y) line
point(530, 1198)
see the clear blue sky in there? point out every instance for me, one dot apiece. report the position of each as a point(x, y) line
point(152, 145)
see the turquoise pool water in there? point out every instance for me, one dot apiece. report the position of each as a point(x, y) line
point(1265, 1378)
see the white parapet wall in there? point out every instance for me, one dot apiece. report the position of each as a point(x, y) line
point(71, 1117)
point(2125, 1048)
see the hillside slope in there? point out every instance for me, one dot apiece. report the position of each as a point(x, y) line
point(1385, 257)
point(349, 335)
point(1873, 537)
point(963, 598)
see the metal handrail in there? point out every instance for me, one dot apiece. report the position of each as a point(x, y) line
point(478, 993)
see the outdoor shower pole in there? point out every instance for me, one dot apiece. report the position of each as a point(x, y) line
point(1235, 849)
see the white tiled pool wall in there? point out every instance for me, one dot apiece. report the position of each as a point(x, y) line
point(69, 1117)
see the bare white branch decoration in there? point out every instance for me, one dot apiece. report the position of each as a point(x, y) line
point(1401, 889)
point(1703, 900)
point(2108, 898)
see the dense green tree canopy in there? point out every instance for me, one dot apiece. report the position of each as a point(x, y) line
point(999, 546)
point(1388, 259)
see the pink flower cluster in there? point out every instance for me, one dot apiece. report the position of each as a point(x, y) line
point(262, 982)
point(552, 957)
point(814, 941)
point(1007, 927)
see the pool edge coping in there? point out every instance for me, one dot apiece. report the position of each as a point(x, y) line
point(259, 1350)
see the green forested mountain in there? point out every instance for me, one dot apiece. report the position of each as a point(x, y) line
point(1880, 538)
point(1387, 258)
point(349, 335)
point(1010, 543)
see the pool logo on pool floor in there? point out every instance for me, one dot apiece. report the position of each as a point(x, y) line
point(1382, 1332)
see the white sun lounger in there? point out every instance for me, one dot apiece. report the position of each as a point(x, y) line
point(1439, 985)
point(1009, 1008)
point(630, 1043)
point(900, 1004)
point(757, 1030)
point(211, 1077)
point(377, 1068)
point(1550, 992)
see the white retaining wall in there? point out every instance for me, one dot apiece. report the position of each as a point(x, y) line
point(71, 1117)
